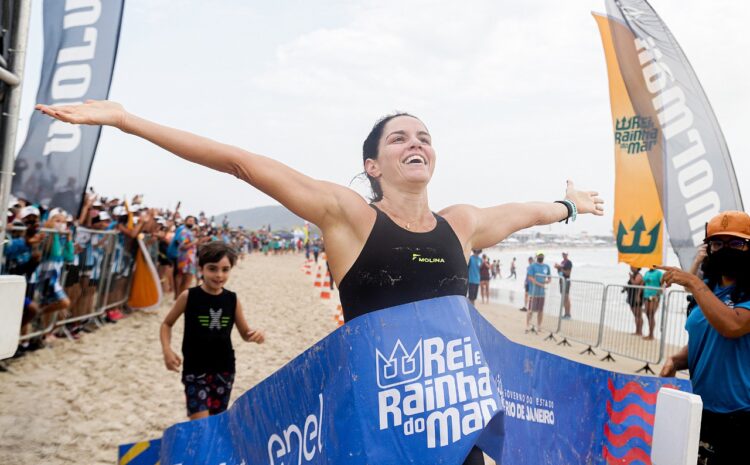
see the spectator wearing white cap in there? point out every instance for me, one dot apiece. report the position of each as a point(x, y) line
point(47, 280)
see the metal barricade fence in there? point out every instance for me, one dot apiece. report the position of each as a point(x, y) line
point(675, 337)
point(84, 277)
point(619, 335)
point(552, 307)
point(581, 319)
point(120, 270)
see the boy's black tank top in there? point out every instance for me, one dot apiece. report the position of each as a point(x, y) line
point(397, 266)
point(207, 345)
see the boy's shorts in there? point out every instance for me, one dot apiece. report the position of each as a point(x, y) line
point(207, 391)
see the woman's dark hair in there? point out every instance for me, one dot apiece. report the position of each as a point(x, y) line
point(213, 252)
point(370, 150)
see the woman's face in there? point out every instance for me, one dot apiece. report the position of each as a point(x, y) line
point(405, 154)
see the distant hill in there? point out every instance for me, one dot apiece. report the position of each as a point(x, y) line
point(256, 218)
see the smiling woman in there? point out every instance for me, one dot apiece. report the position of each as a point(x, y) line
point(376, 251)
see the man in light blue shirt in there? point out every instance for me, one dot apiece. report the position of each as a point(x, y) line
point(537, 277)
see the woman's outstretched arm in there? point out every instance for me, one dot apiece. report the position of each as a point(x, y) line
point(291, 188)
point(479, 228)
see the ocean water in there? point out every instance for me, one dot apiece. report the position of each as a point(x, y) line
point(596, 264)
point(596, 277)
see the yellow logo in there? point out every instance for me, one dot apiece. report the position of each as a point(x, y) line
point(421, 259)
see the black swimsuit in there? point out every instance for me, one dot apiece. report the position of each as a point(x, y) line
point(397, 266)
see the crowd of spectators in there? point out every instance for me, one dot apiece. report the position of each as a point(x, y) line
point(80, 268)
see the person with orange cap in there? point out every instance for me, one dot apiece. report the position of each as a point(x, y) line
point(718, 349)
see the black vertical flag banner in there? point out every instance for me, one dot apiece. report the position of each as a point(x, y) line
point(80, 45)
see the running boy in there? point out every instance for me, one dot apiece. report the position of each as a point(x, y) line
point(210, 312)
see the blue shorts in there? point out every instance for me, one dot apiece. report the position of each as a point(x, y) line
point(207, 391)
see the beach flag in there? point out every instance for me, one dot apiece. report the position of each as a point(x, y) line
point(673, 171)
point(423, 383)
point(80, 45)
point(145, 291)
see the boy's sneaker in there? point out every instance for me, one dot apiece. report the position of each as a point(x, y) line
point(523, 309)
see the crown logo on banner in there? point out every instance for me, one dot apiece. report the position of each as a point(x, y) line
point(401, 367)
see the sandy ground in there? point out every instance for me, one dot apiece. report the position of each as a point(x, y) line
point(76, 402)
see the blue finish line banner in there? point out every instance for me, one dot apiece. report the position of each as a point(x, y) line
point(422, 383)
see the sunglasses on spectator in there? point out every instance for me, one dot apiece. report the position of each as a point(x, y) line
point(717, 244)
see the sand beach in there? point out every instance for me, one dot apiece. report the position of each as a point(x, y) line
point(77, 401)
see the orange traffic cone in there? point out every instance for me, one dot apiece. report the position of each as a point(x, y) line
point(339, 316)
point(325, 292)
point(318, 277)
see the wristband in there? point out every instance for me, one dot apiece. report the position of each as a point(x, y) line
point(572, 210)
point(567, 207)
point(575, 210)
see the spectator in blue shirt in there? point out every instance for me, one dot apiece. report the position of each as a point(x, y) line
point(537, 277)
point(475, 262)
point(718, 349)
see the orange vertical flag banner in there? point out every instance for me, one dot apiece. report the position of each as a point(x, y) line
point(638, 216)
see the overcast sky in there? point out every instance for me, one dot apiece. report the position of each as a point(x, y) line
point(514, 93)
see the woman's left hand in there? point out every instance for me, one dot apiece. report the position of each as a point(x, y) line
point(586, 201)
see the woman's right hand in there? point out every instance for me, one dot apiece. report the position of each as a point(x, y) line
point(94, 112)
point(172, 361)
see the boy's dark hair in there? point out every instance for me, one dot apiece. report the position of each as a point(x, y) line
point(214, 251)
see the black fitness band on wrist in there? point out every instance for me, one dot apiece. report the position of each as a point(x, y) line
point(568, 207)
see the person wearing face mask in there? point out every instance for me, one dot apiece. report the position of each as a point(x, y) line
point(718, 349)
